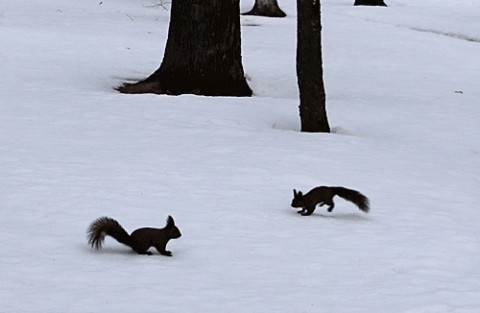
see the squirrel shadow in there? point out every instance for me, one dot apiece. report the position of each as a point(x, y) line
point(339, 216)
point(345, 216)
point(110, 250)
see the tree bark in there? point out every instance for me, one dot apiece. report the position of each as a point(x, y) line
point(313, 115)
point(202, 54)
point(268, 8)
point(370, 2)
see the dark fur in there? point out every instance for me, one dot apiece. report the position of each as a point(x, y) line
point(324, 195)
point(140, 240)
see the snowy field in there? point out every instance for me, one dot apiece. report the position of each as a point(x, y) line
point(403, 102)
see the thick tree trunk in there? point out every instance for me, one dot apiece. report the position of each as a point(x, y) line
point(370, 2)
point(202, 54)
point(313, 115)
point(268, 8)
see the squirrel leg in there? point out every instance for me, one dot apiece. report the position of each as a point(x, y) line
point(309, 211)
point(331, 206)
point(163, 251)
point(302, 210)
point(142, 251)
point(145, 252)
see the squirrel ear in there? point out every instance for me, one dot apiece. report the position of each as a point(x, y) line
point(294, 193)
point(170, 221)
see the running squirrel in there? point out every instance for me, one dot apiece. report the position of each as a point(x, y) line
point(324, 195)
point(139, 240)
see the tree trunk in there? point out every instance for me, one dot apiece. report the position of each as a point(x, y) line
point(313, 115)
point(370, 2)
point(202, 53)
point(268, 8)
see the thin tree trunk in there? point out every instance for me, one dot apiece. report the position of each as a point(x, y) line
point(313, 115)
point(268, 8)
point(202, 53)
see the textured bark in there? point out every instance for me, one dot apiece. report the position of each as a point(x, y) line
point(268, 8)
point(203, 52)
point(313, 115)
point(370, 2)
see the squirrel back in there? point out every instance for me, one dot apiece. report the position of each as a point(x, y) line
point(140, 240)
point(324, 195)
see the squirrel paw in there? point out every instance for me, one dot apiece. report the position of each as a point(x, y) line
point(167, 253)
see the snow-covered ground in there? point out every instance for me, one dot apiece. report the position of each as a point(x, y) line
point(403, 101)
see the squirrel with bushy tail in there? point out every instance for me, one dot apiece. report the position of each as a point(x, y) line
point(140, 240)
point(324, 195)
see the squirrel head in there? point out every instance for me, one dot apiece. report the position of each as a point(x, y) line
point(172, 230)
point(297, 201)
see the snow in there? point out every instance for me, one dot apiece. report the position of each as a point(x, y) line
point(402, 85)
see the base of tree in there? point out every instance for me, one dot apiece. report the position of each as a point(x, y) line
point(266, 11)
point(156, 84)
point(370, 2)
point(141, 87)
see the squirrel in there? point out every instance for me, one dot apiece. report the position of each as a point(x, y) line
point(139, 240)
point(324, 195)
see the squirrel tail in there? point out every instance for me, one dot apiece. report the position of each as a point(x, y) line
point(106, 226)
point(353, 196)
